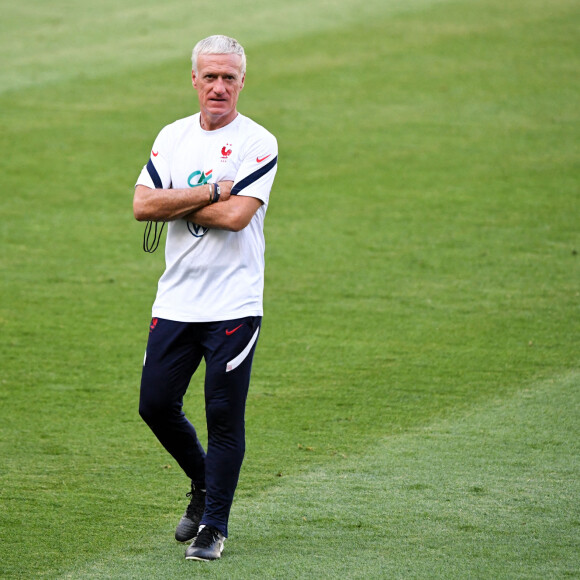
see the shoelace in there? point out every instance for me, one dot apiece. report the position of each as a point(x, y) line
point(196, 505)
point(206, 537)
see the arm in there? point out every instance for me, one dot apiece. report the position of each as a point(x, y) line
point(171, 204)
point(254, 178)
point(233, 215)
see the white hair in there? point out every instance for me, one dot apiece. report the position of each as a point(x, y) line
point(218, 44)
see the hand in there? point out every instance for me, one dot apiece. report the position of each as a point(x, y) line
point(225, 189)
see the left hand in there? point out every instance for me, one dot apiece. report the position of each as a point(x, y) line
point(225, 189)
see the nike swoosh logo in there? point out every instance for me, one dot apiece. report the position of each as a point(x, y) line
point(155, 154)
point(258, 160)
point(228, 332)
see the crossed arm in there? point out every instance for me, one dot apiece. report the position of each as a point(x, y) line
point(231, 213)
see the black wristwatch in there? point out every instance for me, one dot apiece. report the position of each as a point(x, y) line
point(216, 193)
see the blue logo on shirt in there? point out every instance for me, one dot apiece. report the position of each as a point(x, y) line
point(197, 231)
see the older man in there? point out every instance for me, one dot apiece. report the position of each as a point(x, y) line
point(209, 175)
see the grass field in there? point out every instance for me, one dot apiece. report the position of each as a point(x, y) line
point(414, 409)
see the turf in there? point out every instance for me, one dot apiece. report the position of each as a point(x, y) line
point(414, 405)
point(480, 496)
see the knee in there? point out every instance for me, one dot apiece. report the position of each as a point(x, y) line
point(157, 409)
point(226, 424)
point(147, 411)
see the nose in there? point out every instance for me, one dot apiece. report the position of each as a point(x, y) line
point(219, 86)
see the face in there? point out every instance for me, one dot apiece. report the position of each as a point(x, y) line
point(218, 83)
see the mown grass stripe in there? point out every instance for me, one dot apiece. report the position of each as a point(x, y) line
point(482, 495)
point(43, 44)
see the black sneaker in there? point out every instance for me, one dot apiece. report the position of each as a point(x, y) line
point(188, 524)
point(208, 545)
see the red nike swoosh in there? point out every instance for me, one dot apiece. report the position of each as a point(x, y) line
point(228, 332)
point(258, 160)
point(155, 154)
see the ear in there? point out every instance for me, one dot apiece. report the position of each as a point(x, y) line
point(243, 81)
point(194, 79)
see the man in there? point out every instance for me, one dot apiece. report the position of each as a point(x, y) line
point(209, 176)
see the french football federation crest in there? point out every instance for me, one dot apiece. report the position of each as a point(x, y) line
point(226, 151)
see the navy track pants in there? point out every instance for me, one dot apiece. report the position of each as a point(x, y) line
point(174, 352)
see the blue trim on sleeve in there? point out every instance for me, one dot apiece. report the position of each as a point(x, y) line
point(254, 176)
point(154, 175)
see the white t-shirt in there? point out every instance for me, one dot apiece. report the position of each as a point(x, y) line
point(212, 274)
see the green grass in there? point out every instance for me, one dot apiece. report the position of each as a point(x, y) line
point(488, 495)
point(415, 390)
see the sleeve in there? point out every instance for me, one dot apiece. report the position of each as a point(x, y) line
point(157, 173)
point(258, 168)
